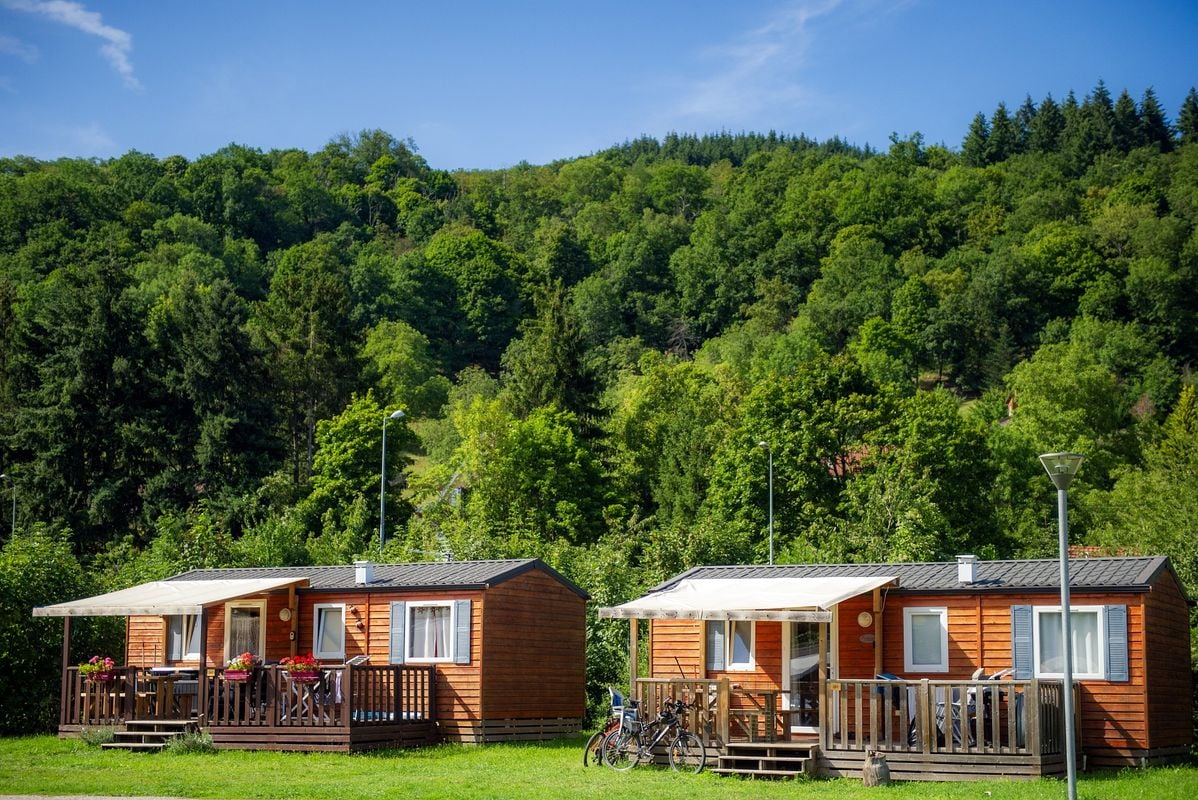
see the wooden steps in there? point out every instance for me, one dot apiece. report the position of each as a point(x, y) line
point(149, 736)
point(767, 759)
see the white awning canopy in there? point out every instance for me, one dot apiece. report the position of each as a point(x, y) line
point(777, 599)
point(165, 597)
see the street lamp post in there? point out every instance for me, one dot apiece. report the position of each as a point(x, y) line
point(13, 484)
point(397, 414)
point(1061, 469)
point(765, 446)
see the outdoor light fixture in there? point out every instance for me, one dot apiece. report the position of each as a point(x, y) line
point(1062, 467)
point(764, 445)
point(397, 414)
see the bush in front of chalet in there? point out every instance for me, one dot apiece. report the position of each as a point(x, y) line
point(37, 568)
point(94, 737)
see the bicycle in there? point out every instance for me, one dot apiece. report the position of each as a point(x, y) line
point(633, 741)
point(593, 750)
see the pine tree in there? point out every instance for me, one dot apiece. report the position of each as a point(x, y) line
point(1187, 120)
point(1024, 118)
point(974, 148)
point(1126, 133)
point(1003, 139)
point(1154, 128)
point(1044, 131)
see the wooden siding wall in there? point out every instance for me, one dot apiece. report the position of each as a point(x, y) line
point(534, 649)
point(1167, 647)
point(145, 641)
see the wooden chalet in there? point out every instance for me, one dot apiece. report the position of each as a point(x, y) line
point(950, 670)
point(471, 651)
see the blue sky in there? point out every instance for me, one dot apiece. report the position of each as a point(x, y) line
point(490, 84)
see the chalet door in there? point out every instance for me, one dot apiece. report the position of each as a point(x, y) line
point(802, 693)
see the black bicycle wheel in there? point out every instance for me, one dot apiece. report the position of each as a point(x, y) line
point(620, 750)
point(593, 749)
point(687, 753)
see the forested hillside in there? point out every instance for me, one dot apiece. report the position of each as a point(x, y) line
point(196, 357)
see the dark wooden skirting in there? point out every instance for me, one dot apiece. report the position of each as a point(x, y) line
point(345, 740)
point(1110, 758)
point(942, 767)
point(509, 730)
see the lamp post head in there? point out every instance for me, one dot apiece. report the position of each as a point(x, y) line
point(3, 476)
point(764, 445)
point(397, 414)
point(1061, 467)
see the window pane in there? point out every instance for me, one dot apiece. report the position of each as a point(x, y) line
point(243, 631)
point(1051, 653)
point(1087, 652)
point(742, 642)
point(1087, 659)
point(330, 636)
point(430, 633)
point(925, 640)
point(191, 624)
point(174, 650)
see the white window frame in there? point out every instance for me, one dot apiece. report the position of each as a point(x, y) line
point(909, 664)
point(410, 629)
point(1097, 611)
point(188, 632)
point(261, 606)
point(329, 655)
point(730, 646)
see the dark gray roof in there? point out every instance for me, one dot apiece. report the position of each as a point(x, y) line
point(418, 575)
point(1031, 575)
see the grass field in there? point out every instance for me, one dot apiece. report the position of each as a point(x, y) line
point(46, 765)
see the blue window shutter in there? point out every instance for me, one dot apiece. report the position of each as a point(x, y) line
point(715, 644)
point(1021, 643)
point(461, 616)
point(174, 638)
point(1116, 643)
point(399, 644)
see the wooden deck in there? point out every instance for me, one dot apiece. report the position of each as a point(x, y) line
point(928, 730)
point(348, 708)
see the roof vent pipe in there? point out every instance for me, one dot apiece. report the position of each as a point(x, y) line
point(363, 572)
point(967, 567)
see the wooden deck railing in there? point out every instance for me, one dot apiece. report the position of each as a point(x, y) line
point(710, 701)
point(944, 717)
point(345, 696)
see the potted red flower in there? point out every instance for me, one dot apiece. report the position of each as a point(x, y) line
point(98, 669)
point(302, 669)
point(239, 668)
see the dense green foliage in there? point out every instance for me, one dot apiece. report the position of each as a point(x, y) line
point(196, 356)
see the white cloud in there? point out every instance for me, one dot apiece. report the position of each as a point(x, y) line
point(117, 43)
point(12, 46)
point(759, 70)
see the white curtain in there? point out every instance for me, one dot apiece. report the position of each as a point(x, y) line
point(244, 625)
point(430, 636)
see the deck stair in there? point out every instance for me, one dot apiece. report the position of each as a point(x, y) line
point(149, 735)
point(767, 759)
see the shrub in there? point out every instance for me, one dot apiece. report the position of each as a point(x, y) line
point(95, 737)
point(191, 742)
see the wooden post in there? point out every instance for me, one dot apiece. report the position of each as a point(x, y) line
point(822, 690)
point(633, 633)
point(347, 693)
point(294, 637)
point(64, 694)
point(1031, 710)
point(878, 631)
point(723, 707)
point(202, 678)
point(923, 711)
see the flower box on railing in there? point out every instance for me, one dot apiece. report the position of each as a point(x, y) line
point(104, 676)
point(236, 675)
point(304, 676)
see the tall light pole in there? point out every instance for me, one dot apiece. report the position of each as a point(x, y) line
point(13, 484)
point(764, 445)
point(1061, 469)
point(397, 414)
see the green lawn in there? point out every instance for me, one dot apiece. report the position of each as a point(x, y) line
point(45, 765)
